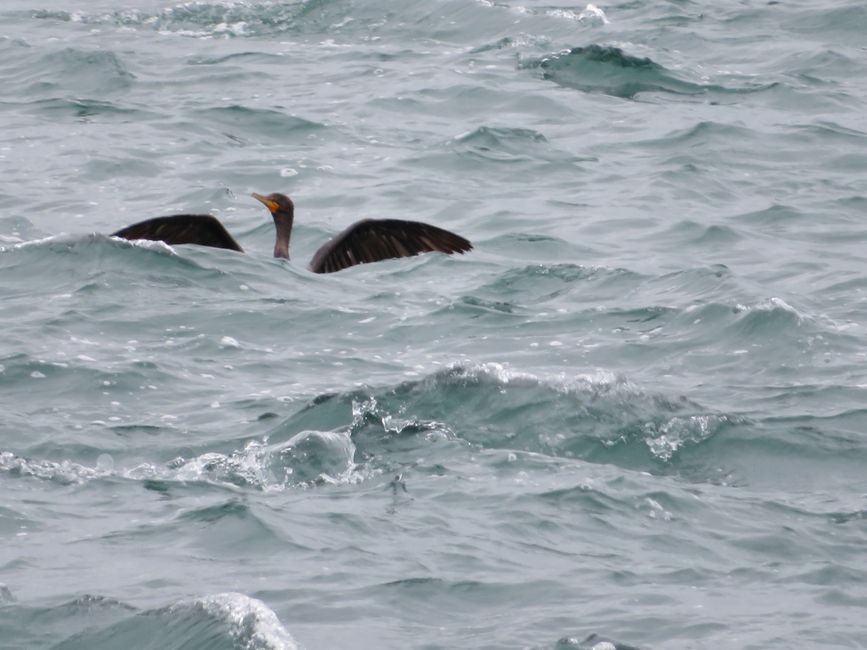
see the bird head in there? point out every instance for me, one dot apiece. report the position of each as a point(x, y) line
point(277, 204)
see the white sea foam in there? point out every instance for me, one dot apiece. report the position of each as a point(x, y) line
point(593, 14)
point(64, 472)
point(252, 624)
point(147, 244)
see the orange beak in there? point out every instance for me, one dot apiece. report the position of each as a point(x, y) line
point(271, 205)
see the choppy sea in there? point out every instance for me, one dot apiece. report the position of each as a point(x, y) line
point(634, 417)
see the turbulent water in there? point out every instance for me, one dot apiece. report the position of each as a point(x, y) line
point(635, 416)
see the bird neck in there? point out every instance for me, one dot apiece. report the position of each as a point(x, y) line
point(283, 225)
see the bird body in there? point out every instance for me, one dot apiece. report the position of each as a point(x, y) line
point(368, 240)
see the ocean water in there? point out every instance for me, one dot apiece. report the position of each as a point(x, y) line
point(635, 416)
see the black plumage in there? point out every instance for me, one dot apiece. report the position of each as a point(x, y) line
point(202, 229)
point(372, 240)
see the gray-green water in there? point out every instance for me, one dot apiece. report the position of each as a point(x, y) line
point(636, 414)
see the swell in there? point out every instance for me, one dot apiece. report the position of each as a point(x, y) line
point(349, 437)
point(82, 261)
point(94, 74)
point(217, 621)
point(611, 71)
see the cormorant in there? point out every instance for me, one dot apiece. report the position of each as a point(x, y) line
point(368, 240)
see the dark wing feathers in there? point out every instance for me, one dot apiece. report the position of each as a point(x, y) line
point(372, 240)
point(202, 229)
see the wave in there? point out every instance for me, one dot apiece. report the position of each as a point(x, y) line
point(78, 72)
point(268, 125)
point(233, 19)
point(502, 144)
point(223, 621)
point(540, 283)
point(611, 71)
point(592, 642)
point(350, 437)
point(307, 459)
point(704, 135)
point(82, 260)
point(87, 110)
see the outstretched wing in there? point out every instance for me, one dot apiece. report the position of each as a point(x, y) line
point(202, 229)
point(372, 240)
